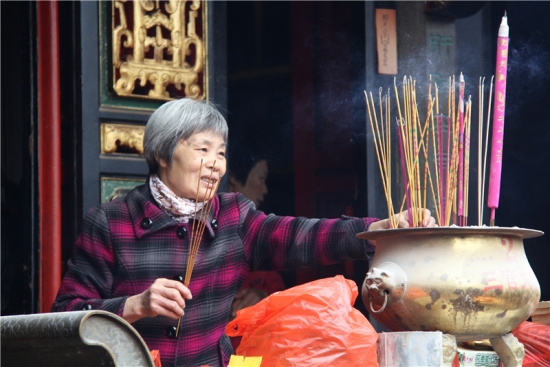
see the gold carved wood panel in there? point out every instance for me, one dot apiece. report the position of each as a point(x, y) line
point(159, 49)
point(122, 138)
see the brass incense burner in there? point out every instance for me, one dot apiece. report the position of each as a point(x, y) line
point(471, 282)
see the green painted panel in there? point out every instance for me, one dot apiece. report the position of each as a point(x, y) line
point(113, 187)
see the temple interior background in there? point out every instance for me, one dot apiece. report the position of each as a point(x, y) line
point(292, 77)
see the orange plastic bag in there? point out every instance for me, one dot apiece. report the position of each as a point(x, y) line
point(313, 324)
point(535, 339)
point(155, 355)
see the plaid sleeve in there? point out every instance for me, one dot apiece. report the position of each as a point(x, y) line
point(276, 242)
point(88, 281)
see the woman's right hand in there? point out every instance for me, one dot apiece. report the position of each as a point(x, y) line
point(164, 297)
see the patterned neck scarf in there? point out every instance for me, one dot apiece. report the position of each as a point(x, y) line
point(180, 209)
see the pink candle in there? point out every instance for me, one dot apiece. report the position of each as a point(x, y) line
point(498, 118)
point(461, 147)
point(442, 185)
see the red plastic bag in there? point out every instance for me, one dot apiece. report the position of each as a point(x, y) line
point(536, 340)
point(313, 324)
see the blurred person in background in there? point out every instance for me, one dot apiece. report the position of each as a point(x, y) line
point(248, 171)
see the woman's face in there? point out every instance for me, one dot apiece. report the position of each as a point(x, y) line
point(255, 187)
point(182, 176)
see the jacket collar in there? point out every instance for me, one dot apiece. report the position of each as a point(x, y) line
point(148, 218)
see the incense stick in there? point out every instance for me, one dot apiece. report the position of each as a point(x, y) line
point(480, 91)
point(467, 128)
point(487, 141)
point(197, 229)
point(381, 152)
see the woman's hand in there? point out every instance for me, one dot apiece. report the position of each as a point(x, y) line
point(165, 297)
point(405, 221)
point(246, 297)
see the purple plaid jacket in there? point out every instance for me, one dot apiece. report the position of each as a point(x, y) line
point(126, 244)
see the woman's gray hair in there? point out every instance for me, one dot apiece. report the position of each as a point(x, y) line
point(177, 120)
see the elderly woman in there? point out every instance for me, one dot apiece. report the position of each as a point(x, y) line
point(132, 251)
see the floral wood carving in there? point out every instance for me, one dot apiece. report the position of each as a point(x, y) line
point(158, 49)
point(120, 138)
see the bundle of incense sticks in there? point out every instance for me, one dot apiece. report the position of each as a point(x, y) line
point(438, 143)
point(197, 228)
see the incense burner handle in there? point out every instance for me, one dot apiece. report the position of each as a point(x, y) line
point(371, 309)
point(387, 280)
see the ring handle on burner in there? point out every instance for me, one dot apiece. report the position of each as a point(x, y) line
point(386, 279)
point(383, 305)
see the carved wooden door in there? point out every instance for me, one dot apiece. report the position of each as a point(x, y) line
point(135, 56)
